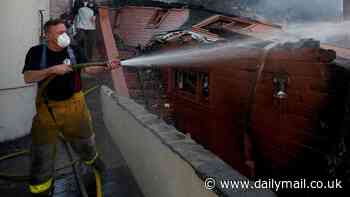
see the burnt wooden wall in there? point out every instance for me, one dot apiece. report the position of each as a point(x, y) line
point(293, 136)
point(286, 133)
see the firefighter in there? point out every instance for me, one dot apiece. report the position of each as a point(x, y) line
point(61, 108)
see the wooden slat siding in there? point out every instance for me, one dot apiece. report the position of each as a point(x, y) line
point(133, 22)
point(255, 27)
point(213, 133)
point(280, 124)
point(207, 21)
point(175, 19)
point(112, 51)
point(280, 131)
point(283, 133)
point(132, 25)
point(133, 83)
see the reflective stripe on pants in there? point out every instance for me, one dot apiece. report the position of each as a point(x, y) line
point(41, 188)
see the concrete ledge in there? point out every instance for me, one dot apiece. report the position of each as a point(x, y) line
point(164, 161)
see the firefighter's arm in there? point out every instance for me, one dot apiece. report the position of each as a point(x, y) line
point(31, 76)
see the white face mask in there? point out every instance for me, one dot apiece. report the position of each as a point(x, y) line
point(63, 40)
point(86, 4)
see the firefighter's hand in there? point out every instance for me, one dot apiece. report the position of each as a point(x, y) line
point(60, 69)
point(112, 64)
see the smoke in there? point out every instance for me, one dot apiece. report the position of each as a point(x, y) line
point(297, 11)
point(318, 19)
point(230, 7)
point(323, 31)
point(276, 11)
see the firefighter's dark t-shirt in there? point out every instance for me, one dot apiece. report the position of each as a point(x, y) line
point(61, 87)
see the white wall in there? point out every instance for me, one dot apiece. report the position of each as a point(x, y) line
point(16, 112)
point(20, 29)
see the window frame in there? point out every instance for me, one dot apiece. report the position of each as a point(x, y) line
point(198, 96)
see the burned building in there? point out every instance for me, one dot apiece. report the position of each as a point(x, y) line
point(246, 104)
point(266, 108)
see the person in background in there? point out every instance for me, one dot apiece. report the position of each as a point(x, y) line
point(61, 106)
point(92, 5)
point(86, 28)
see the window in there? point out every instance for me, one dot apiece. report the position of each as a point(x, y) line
point(223, 26)
point(193, 85)
point(204, 85)
point(186, 81)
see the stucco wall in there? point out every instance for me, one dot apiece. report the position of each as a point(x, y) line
point(16, 112)
point(20, 29)
point(164, 161)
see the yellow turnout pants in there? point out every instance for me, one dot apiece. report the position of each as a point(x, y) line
point(70, 117)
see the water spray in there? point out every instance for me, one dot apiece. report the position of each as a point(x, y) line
point(325, 32)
